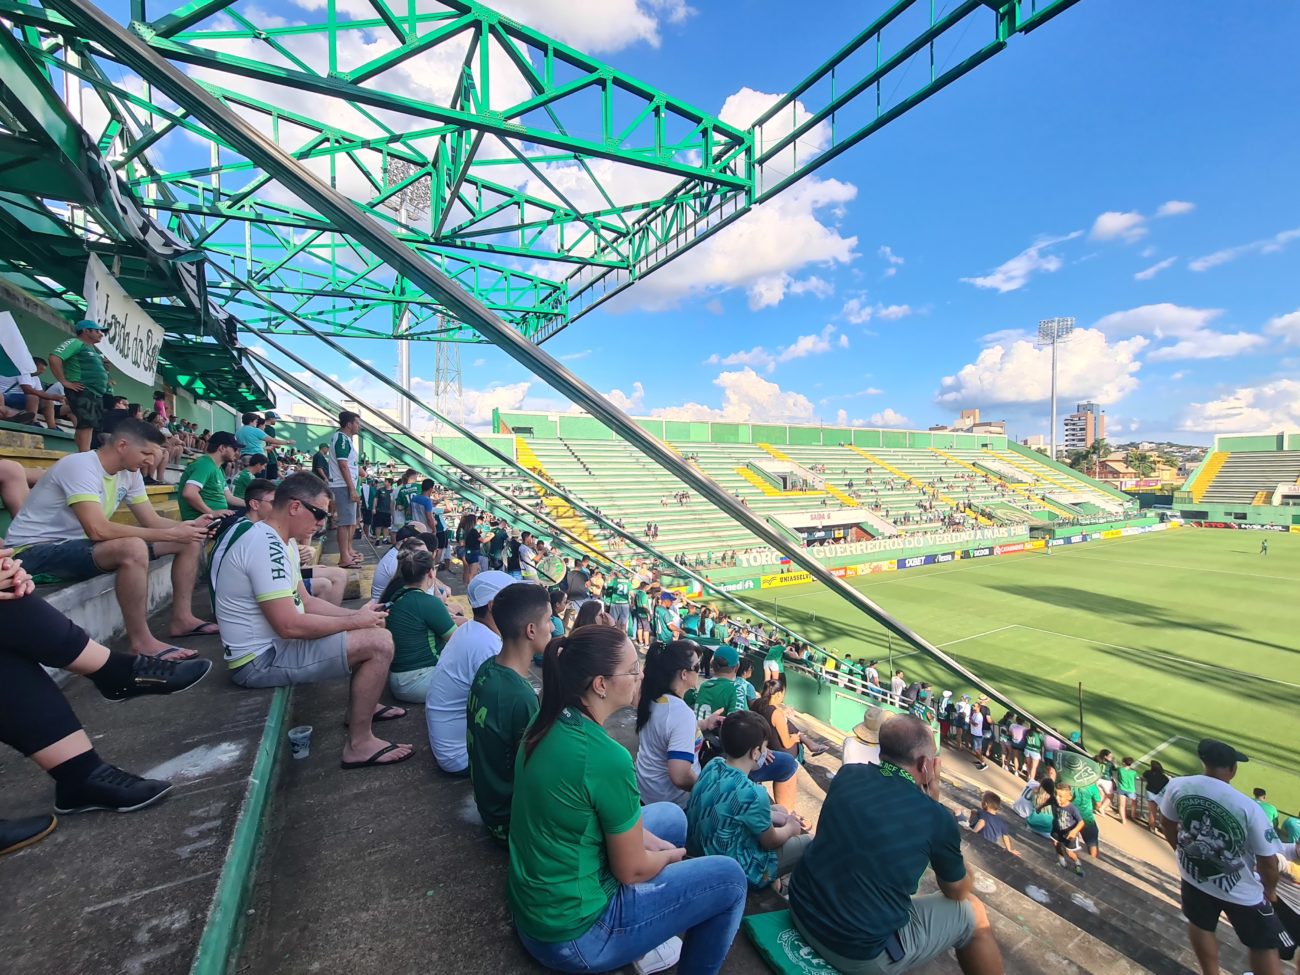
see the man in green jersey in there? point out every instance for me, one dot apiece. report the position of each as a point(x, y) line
point(496, 549)
point(723, 691)
point(641, 613)
point(774, 662)
point(203, 483)
point(1086, 799)
point(1270, 810)
point(617, 593)
point(407, 488)
point(254, 465)
point(502, 701)
point(81, 369)
point(667, 627)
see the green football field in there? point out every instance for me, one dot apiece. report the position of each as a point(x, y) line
point(1174, 635)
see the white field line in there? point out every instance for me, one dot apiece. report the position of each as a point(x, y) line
point(950, 643)
point(1159, 748)
point(1164, 656)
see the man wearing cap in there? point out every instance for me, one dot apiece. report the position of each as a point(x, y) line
point(80, 368)
point(862, 747)
point(473, 642)
point(203, 482)
point(667, 624)
point(855, 902)
point(1227, 856)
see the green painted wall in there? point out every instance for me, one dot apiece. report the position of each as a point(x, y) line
point(1270, 441)
point(1241, 514)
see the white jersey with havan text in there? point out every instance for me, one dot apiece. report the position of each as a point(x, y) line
point(253, 568)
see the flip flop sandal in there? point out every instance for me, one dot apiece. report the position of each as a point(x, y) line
point(167, 654)
point(373, 760)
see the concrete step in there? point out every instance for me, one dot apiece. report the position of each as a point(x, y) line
point(92, 603)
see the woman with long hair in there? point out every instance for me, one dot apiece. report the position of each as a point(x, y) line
point(419, 622)
point(1155, 779)
point(581, 847)
point(471, 540)
point(783, 739)
point(668, 756)
point(592, 611)
point(559, 602)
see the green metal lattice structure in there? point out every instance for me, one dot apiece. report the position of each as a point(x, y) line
point(372, 228)
point(542, 181)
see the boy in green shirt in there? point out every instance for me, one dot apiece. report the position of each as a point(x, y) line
point(502, 701)
point(381, 510)
point(667, 627)
point(1086, 799)
point(1270, 810)
point(80, 367)
point(254, 465)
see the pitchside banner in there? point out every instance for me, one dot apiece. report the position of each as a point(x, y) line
point(132, 340)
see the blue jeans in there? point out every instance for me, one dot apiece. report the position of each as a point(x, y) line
point(701, 899)
point(782, 768)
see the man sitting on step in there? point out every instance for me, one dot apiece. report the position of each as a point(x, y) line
point(63, 532)
point(276, 633)
point(854, 902)
point(327, 582)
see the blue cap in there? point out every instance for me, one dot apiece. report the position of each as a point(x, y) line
point(86, 323)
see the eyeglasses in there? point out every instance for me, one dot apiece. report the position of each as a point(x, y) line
point(629, 673)
point(320, 513)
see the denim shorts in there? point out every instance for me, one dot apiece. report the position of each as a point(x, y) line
point(70, 561)
point(288, 662)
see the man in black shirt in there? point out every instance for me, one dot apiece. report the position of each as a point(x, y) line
point(854, 903)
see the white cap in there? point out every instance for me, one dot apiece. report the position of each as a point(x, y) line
point(484, 587)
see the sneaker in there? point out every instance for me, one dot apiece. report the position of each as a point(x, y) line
point(15, 834)
point(149, 675)
point(661, 959)
point(110, 788)
point(1062, 862)
point(981, 766)
point(1078, 869)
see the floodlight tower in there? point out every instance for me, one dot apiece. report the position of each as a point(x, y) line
point(413, 199)
point(1054, 332)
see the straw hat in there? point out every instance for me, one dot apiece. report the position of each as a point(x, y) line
point(868, 729)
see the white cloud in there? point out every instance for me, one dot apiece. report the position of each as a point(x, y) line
point(1269, 245)
point(802, 347)
point(576, 356)
point(1162, 320)
point(746, 397)
point(1113, 225)
point(771, 289)
point(1189, 326)
point(714, 306)
point(760, 252)
point(894, 262)
point(869, 391)
point(1270, 406)
point(597, 25)
point(858, 311)
point(812, 285)
point(1286, 327)
point(1019, 372)
point(842, 418)
point(889, 417)
point(1175, 208)
point(1149, 251)
point(1178, 376)
point(1206, 344)
point(479, 403)
point(1148, 273)
point(625, 402)
point(1014, 274)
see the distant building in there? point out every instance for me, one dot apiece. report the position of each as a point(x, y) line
point(1036, 442)
point(1086, 424)
point(970, 422)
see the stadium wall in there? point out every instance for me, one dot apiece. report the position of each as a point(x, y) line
point(576, 426)
point(308, 437)
point(1240, 515)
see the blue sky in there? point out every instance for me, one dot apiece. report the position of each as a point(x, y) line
point(1132, 165)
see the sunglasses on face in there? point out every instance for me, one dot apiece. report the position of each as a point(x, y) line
point(319, 513)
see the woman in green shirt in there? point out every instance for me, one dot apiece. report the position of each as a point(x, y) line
point(419, 622)
point(581, 846)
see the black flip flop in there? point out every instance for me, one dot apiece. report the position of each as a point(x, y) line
point(385, 714)
point(373, 760)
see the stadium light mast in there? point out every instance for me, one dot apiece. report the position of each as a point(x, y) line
point(1054, 332)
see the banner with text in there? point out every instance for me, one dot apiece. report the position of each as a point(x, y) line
point(132, 340)
point(757, 557)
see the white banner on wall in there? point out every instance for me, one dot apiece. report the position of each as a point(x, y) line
point(764, 556)
point(132, 340)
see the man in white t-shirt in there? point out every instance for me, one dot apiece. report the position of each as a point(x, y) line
point(863, 746)
point(471, 644)
point(527, 557)
point(342, 459)
point(276, 633)
point(897, 684)
point(64, 532)
point(1227, 856)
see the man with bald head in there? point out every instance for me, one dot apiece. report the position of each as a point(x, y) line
point(852, 897)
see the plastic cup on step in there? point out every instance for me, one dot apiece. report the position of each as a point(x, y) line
point(300, 740)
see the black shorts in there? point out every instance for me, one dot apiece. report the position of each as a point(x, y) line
point(1290, 920)
point(442, 539)
point(88, 405)
point(1257, 926)
point(382, 519)
point(1090, 835)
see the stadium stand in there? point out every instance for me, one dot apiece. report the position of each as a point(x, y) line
point(1244, 476)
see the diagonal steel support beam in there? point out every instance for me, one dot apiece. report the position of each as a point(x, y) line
point(244, 138)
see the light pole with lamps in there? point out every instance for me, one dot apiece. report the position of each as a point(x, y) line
point(1053, 332)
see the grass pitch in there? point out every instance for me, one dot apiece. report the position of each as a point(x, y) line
point(1175, 636)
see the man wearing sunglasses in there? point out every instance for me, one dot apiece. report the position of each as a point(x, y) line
point(276, 633)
